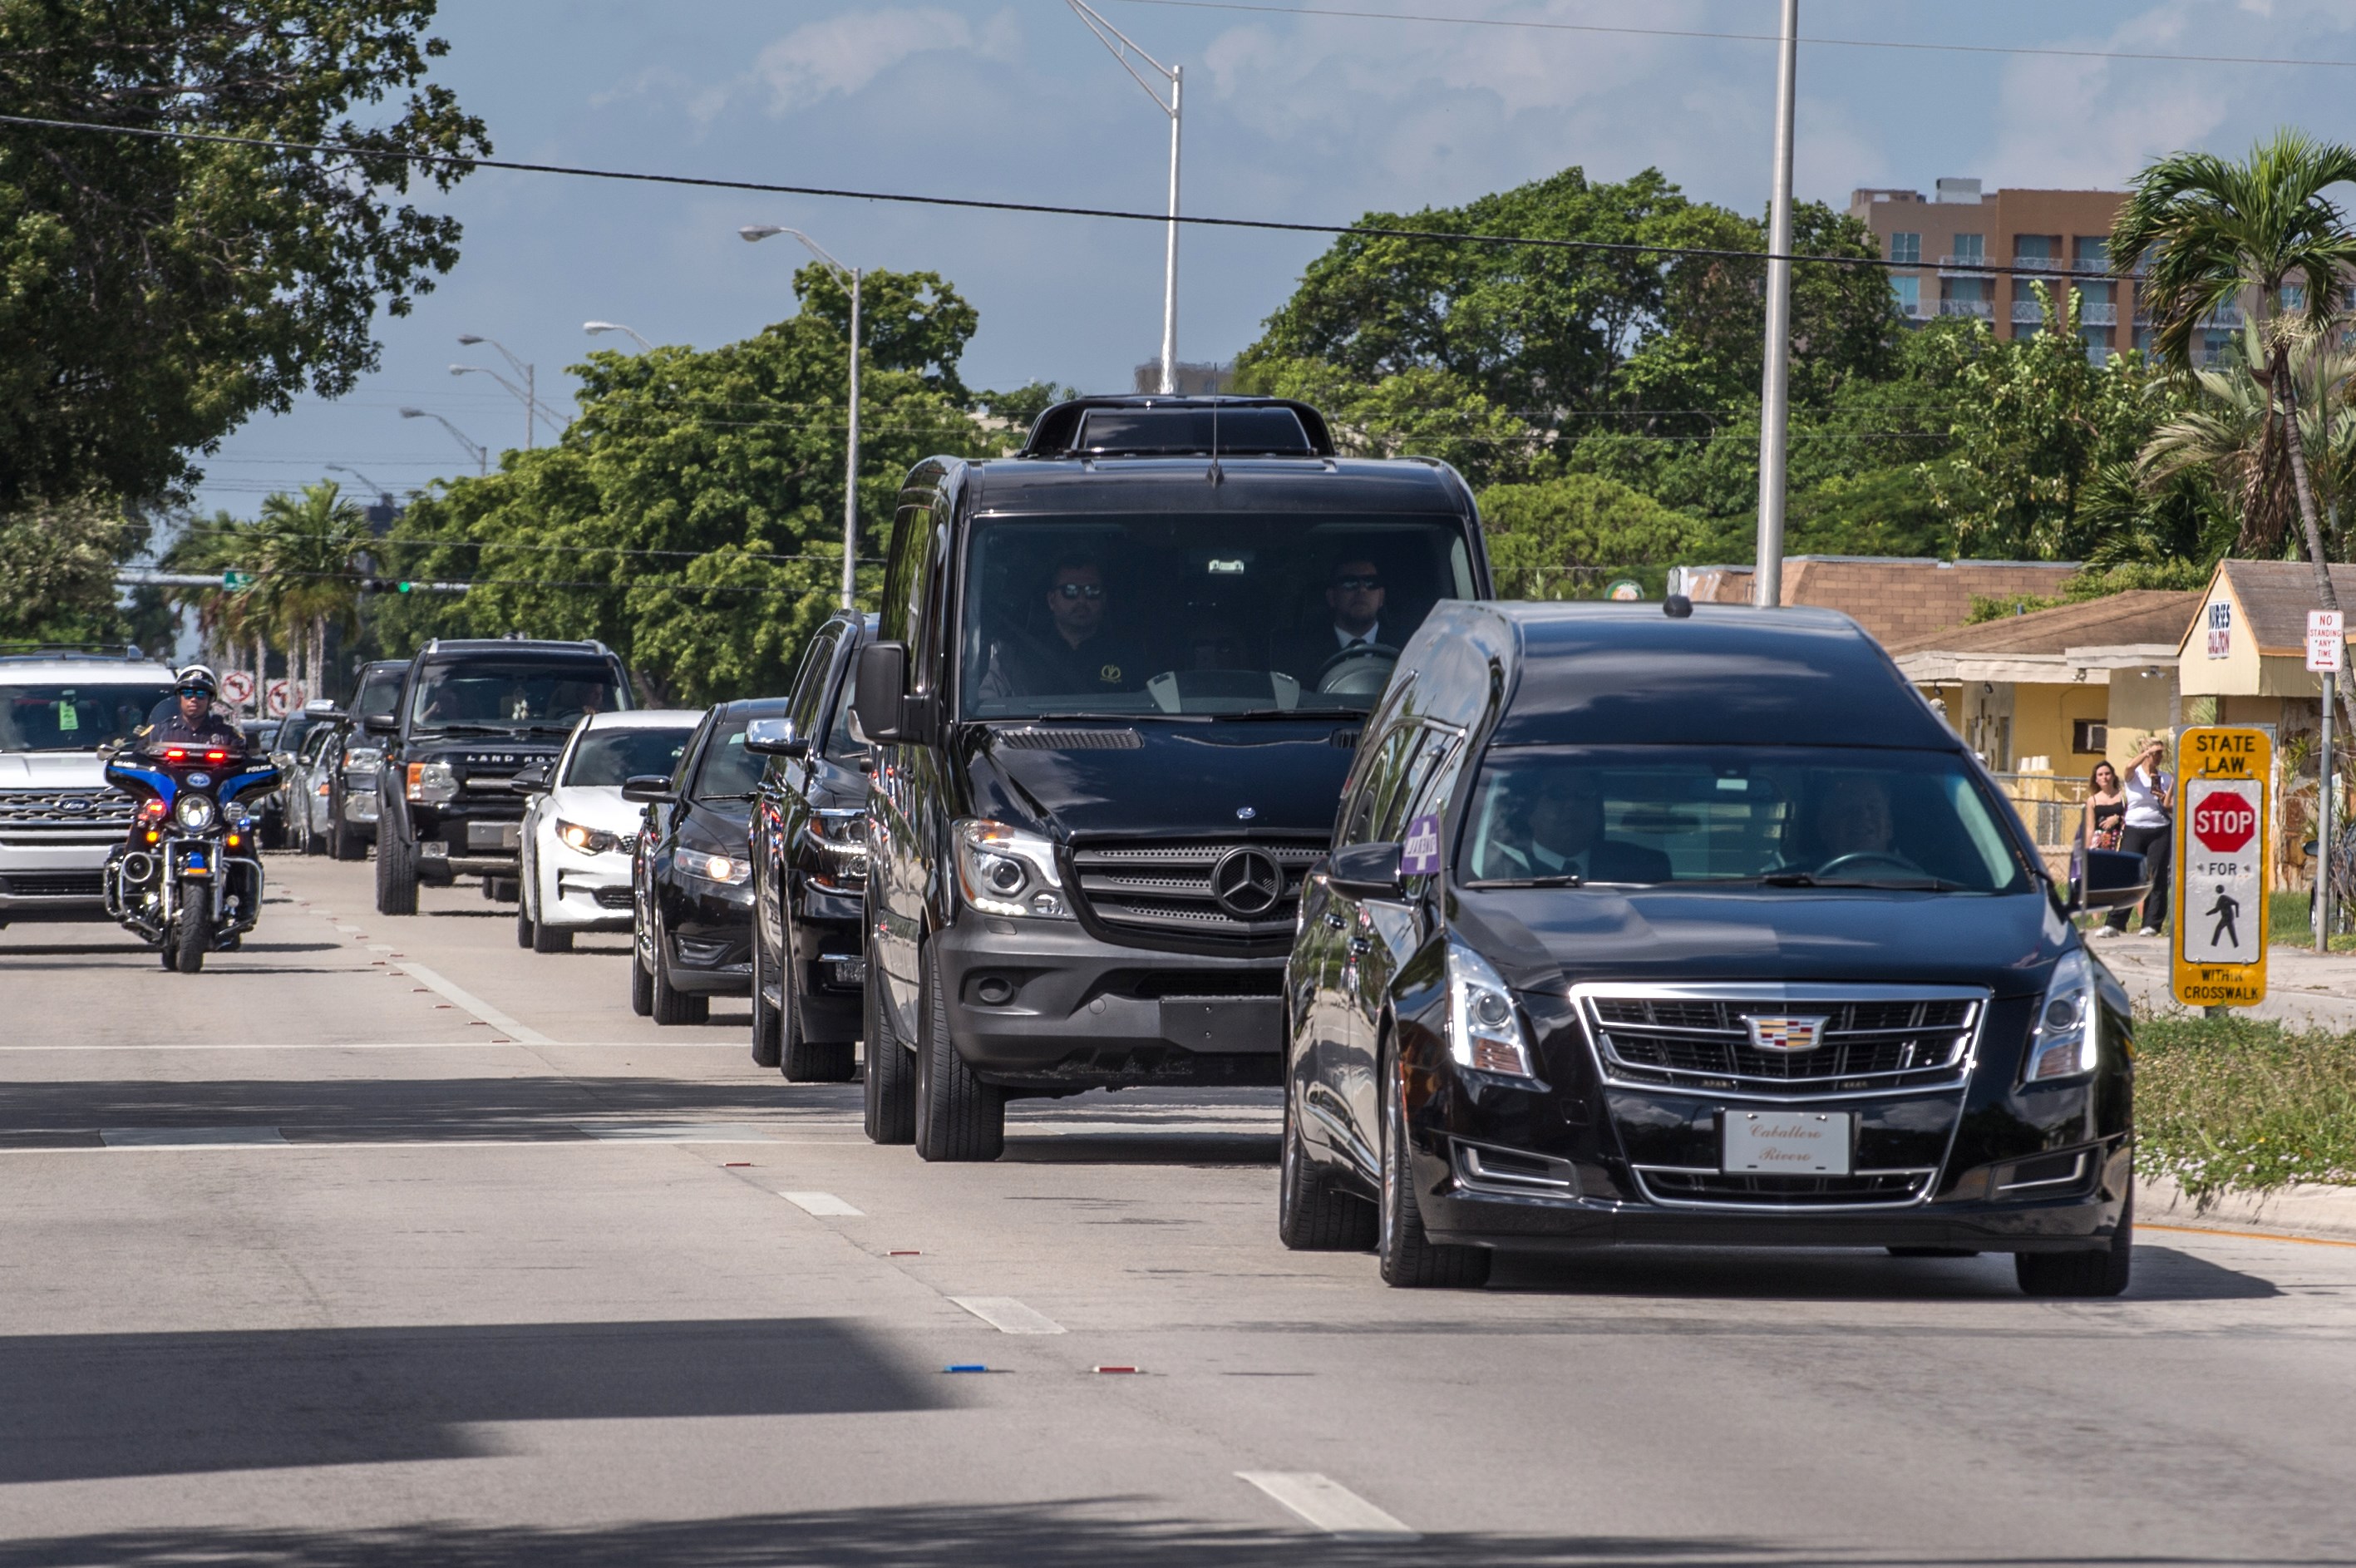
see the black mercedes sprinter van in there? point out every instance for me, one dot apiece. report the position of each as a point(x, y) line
point(1113, 698)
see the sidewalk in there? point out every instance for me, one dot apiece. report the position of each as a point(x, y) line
point(2304, 988)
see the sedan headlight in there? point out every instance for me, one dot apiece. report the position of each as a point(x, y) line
point(584, 837)
point(2066, 1042)
point(1484, 1028)
point(195, 812)
point(431, 783)
point(1005, 871)
point(728, 870)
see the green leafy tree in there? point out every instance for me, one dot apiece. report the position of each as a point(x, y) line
point(2214, 231)
point(1565, 538)
point(692, 515)
point(310, 546)
point(1421, 411)
point(57, 571)
point(158, 291)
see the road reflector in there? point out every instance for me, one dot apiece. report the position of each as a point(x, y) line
point(1112, 1369)
point(965, 1367)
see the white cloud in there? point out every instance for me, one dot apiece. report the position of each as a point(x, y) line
point(843, 54)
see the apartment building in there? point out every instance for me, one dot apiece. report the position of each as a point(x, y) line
point(1969, 253)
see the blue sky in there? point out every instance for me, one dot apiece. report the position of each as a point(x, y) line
point(1288, 116)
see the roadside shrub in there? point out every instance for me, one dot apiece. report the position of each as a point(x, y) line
point(2244, 1104)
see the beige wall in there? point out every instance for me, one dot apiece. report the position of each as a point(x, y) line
point(2199, 675)
point(2140, 709)
point(2043, 717)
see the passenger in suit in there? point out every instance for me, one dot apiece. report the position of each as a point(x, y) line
point(1354, 599)
point(1564, 837)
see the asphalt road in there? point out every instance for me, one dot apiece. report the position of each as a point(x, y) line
point(386, 1242)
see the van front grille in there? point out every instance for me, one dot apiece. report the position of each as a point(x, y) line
point(1164, 888)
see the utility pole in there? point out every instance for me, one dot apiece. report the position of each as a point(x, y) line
point(1123, 47)
point(851, 471)
point(1775, 399)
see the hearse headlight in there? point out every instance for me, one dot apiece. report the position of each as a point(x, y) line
point(1005, 871)
point(1484, 1028)
point(2066, 1041)
point(431, 783)
point(194, 813)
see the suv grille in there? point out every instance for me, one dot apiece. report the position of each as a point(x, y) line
point(1163, 887)
point(1785, 1191)
point(1704, 1042)
point(36, 810)
point(53, 884)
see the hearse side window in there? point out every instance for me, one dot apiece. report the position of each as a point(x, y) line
point(1218, 614)
point(1789, 815)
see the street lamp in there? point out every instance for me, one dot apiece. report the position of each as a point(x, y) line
point(528, 394)
point(481, 454)
point(594, 327)
point(363, 478)
point(1774, 392)
point(752, 233)
point(1122, 46)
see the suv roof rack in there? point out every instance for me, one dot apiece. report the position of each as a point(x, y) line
point(119, 652)
point(510, 644)
point(1147, 424)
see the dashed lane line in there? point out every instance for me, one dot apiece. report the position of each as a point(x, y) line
point(472, 1003)
point(188, 1137)
point(1007, 1315)
point(1327, 1505)
point(823, 1204)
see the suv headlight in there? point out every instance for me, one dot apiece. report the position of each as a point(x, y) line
point(362, 758)
point(194, 813)
point(2066, 1042)
point(725, 869)
point(1005, 871)
point(1484, 1028)
point(841, 839)
point(584, 837)
point(431, 783)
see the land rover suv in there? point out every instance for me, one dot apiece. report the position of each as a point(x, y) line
point(58, 816)
point(472, 715)
point(1114, 693)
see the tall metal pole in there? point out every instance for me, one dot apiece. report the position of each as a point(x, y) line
point(531, 406)
point(850, 469)
point(2322, 829)
point(1774, 403)
point(1169, 263)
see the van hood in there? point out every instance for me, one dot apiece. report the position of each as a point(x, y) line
point(1541, 938)
point(51, 770)
point(1161, 778)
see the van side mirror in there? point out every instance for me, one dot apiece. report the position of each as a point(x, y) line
point(775, 737)
point(2111, 879)
point(648, 789)
point(1366, 870)
point(880, 688)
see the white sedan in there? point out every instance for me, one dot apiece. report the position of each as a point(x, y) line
point(578, 832)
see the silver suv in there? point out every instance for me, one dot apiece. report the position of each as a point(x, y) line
point(59, 817)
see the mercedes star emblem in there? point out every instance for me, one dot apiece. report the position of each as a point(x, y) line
point(1247, 883)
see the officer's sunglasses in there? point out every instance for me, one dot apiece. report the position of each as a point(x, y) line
point(205, 692)
point(1079, 590)
point(1357, 585)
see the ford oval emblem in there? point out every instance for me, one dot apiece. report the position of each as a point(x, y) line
point(1246, 813)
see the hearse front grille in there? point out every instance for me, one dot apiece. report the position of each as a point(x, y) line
point(1719, 1188)
point(1862, 1043)
point(1163, 889)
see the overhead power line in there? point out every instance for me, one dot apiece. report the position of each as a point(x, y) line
point(978, 204)
point(1535, 25)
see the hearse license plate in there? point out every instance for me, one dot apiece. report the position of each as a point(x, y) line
point(1787, 1143)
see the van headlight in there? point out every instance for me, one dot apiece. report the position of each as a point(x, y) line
point(1484, 1028)
point(431, 783)
point(194, 813)
point(2066, 1041)
point(1005, 871)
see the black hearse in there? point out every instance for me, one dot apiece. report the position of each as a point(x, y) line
point(1115, 691)
point(1697, 929)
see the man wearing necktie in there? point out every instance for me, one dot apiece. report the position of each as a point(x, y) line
point(1354, 597)
point(1565, 825)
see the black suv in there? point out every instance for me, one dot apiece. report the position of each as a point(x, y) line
point(808, 842)
point(1700, 930)
point(472, 715)
point(1116, 685)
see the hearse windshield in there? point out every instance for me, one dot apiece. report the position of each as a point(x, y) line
point(1815, 817)
point(483, 694)
point(1229, 614)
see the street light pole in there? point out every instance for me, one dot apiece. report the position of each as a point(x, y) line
point(1123, 48)
point(481, 454)
point(1774, 392)
point(752, 233)
point(531, 374)
point(594, 327)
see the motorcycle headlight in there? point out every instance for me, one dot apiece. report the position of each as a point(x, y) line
point(431, 783)
point(584, 837)
point(1484, 1028)
point(1005, 871)
point(2066, 1042)
point(195, 812)
point(725, 869)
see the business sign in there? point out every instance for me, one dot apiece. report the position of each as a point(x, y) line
point(2323, 637)
point(1625, 590)
point(2219, 617)
point(2219, 957)
point(237, 688)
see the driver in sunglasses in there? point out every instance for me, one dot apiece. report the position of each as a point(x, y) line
point(1079, 656)
point(190, 717)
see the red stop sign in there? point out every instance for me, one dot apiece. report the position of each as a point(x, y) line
point(2224, 822)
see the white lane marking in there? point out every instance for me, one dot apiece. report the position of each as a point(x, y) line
point(1328, 1505)
point(734, 1050)
point(474, 1005)
point(348, 1145)
point(1007, 1315)
point(822, 1203)
point(676, 1132)
point(188, 1137)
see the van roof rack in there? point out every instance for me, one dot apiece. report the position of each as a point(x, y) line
point(1147, 424)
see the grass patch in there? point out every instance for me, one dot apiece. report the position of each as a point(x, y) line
point(2244, 1103)
point(2290, 918)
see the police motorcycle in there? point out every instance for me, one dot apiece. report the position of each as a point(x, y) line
point(189, 881)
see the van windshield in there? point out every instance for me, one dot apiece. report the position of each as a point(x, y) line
point(1225, 614)
point(1774, 816)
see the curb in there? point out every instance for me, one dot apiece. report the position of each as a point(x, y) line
point(2308, 1207)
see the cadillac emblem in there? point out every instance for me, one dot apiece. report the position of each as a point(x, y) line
point(1788, 1036)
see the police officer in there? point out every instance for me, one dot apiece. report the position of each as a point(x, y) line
point(190, 717)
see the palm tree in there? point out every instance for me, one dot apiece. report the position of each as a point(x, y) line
point(309, 544)
point(2214, 229)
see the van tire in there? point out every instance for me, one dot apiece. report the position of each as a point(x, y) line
point(959, 1117)
point(891, 1086)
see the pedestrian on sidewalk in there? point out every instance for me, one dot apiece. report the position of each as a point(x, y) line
point(2151, 813)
